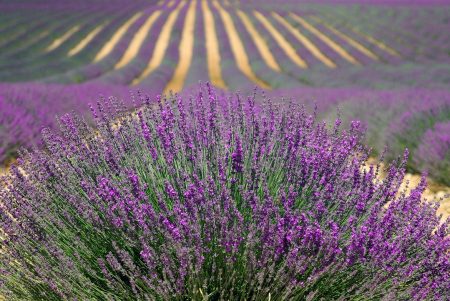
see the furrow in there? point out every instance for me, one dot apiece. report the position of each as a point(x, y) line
point(138, 40)
point(212, 48)
point(284, 44)
point(185, 50)
point(332, 44)
point(86, 40)
point(259, 41)
point(348, 39)
point(237, 47)
point(57, 42)
point(305, 41)
point(109, 46)
point(161, 45)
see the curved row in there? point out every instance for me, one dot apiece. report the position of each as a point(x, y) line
point(280, 42)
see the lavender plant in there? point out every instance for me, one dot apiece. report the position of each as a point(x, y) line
point(211, 197)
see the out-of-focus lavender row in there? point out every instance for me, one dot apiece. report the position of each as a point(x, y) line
point(373, 46)
point(417, 119)
point(26, 108)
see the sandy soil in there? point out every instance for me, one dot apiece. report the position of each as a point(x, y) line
point(212, 44)
point(161, 45)
point(290, 51)
point(260, 42)
point(84, 42)
point(238, 49)
point(434, 191)
point(349, 40)
point(138, 40)
point(332, 44)
point(109, 46)
point(315, 51)
point(56, 43)
point(186, 51)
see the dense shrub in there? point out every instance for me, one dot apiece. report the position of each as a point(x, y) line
point(214, 198)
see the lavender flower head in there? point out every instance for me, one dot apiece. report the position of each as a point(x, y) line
point(209, 198)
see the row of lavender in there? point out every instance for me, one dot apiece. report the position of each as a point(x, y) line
point(25, 109)
point(417, 119)
point(215, 197)
point(411, 57)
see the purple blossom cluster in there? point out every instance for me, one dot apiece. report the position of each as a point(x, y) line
point(214, 197)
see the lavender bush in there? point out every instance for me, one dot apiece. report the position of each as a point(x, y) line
point(213, 198)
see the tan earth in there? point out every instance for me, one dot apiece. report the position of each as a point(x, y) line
point(109, 46)
point(281, 41)
point(332, 44)
point(259, 40)
point(161, 45)
point(305, 41)
point(348, 39)
point(138, 40)
point(237, 47)
point(58, 42)
point(212, 44)
point(85, 41)
point(186, 51)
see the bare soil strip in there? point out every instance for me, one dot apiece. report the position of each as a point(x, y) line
point(109, 46)
point(212, 48)
point(259, 41)
point(348, 39)
point(138, 40)
point(84, 42)
point(282, 42)
point(56, 43)
point(332, 44)
point(376, 42)
point(161, 45)
point(239, 53)
point(315, 51)
point(171, 3)
point(186, 49)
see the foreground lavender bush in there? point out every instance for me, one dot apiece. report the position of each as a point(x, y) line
point(214, 199)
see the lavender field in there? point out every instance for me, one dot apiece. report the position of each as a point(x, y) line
point(224, 150)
